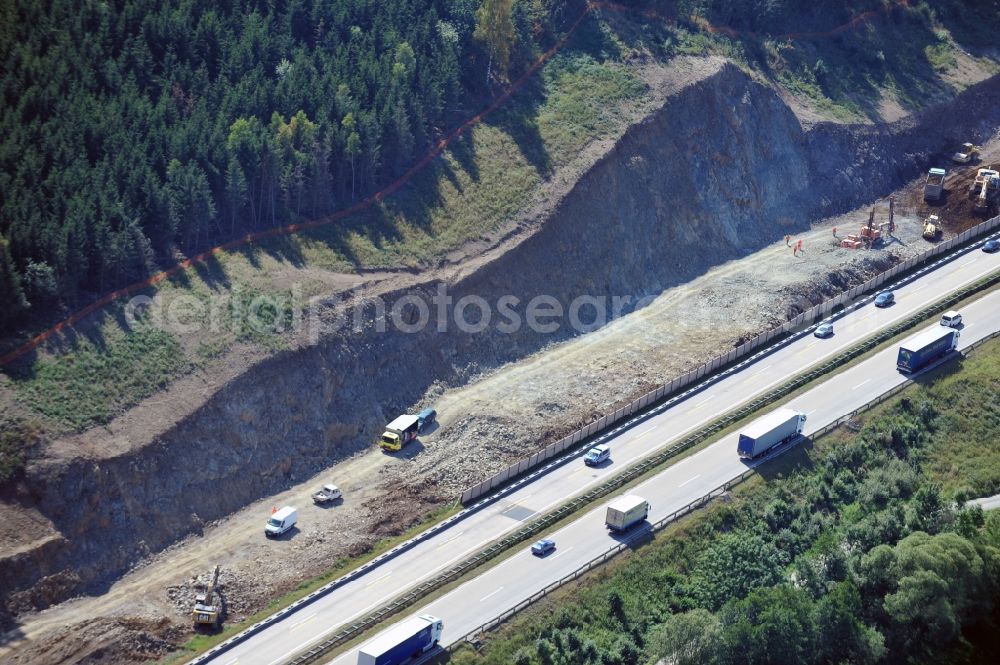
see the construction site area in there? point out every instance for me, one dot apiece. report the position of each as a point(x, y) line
point(117, 551)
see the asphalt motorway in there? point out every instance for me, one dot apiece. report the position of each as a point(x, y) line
point(318, 620)
point(517, 578)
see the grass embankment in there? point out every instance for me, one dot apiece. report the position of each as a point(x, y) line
point(845, 550)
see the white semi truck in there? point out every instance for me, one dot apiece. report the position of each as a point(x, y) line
point(765, 433)
point(406, 640)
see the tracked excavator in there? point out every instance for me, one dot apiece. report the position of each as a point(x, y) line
point(985, 190)
point(206, 611)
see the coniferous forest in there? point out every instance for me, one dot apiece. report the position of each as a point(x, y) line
point(136, 131)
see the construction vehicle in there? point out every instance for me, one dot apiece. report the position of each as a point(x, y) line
point(932, 228)
point(985, 189)
point(934, 185)
point(871, 235)
point(398, 432)
point(968, 153)
point(206, 613)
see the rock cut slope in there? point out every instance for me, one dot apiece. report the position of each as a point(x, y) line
point(720, 170)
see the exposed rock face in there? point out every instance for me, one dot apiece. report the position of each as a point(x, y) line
point(722, 169)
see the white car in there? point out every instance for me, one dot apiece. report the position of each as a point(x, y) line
point(824, 330)
point(327, 494)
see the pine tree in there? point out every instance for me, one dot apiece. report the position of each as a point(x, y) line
point(12, 300)
point(236, 191)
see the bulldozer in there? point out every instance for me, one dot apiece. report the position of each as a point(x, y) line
point(932, 228)
point(985, 189)
point(968, 153)
point(206, 612)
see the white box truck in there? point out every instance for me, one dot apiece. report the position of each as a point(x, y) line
point(765, 433)
point(626, 511)
point(281, 521)
point(403, 641)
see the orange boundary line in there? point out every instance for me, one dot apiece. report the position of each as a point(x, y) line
point(377, 197)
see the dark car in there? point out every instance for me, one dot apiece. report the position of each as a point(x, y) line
point(991, 246)
point(543, 547)
point(425, 419)
point(884, 299)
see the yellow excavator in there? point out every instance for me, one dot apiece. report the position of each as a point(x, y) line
point(932, 228)
point(984, 189)
point(206, 612)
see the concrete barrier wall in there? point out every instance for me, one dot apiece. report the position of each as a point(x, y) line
point(809, 317)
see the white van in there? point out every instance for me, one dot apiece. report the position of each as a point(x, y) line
point(597, 455)
point(951, 319)
point(281, 521)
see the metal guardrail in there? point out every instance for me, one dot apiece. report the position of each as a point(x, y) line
point(625, 477)
point(636, 406)
point(811, 316)
point(702, 501)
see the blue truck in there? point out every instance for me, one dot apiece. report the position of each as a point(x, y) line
point(406, 640)
point(925, 348)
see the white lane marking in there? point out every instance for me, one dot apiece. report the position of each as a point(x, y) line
point(491, 594)
point(968, 263)
point(559, 553)
point(378, 579)
point(690, 480)
point(233, 661)
point(646, 431)
point(762, 369)
point(861, 384)
point(703, 402)
point(302, 621)
point(809, 413)
point(457, 535)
